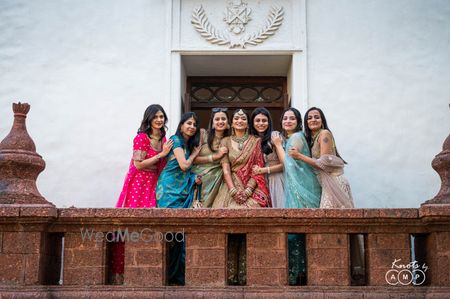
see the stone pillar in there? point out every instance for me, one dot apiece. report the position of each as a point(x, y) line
point(20, 165)
point(205, 259)
point(438, 258)
point(266, 259)
point(20, 257)
point(83, 260)
point(328, 259)
point(382, 251)
point(438, 243)
point(144, 258)
point(441, 163)
point(21, 246)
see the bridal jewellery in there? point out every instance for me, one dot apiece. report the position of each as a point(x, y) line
point(240, 140)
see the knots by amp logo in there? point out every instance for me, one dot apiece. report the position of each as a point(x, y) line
point(406, 274)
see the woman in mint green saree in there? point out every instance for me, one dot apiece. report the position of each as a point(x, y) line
point(302, 189)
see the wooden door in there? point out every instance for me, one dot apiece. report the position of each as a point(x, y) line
point(205, 93)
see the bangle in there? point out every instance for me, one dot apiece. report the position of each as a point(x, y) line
point(210, 158)
point(248, 191)
point(232, 191)
point(268, 170)
point(158, 156)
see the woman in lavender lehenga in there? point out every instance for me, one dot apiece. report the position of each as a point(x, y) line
point(261, 126)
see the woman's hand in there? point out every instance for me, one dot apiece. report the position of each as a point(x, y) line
point(277, 140)
point(294, 153)
point(166, 148)
point(196, 151)
point(222, 151)
point(257, 170)
point(240, 197)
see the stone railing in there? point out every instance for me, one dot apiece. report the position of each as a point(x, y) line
point(46, 252)
point(43, 251)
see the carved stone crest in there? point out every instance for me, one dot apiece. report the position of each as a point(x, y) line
point(237, 17)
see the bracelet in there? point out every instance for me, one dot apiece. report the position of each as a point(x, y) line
point(232, 191)
point(210, 158)
point(268, 170)
point(248, 191)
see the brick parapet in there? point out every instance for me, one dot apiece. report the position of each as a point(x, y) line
point(387, 237)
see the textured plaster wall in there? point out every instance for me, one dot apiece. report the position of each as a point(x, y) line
point(380, 70)
point(88, 69)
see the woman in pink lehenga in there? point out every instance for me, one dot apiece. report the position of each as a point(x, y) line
point(149, 152)
point(139, 189)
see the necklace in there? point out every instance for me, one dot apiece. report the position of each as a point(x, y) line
point(155, 142)
point(240, 140)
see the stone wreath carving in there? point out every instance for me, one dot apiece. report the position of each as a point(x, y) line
point(211, 34)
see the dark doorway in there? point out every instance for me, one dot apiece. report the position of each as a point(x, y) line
point(204, 93)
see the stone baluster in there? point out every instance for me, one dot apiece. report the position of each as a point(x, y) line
point(441, 163)
point(20, 165)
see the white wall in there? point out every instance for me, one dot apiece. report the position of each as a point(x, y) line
point(89, 70)
point(380, 69)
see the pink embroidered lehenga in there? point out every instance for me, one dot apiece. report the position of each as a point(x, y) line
point(139, 191)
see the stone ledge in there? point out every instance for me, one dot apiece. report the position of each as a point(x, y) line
point(432, 210)
point(237, 213)
point(310, 292)
point(28, 210)
point(8, 211)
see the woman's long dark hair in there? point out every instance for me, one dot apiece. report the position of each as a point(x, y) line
point(194, 140)
point(212, 131)
point(308, 133)
point(297, 115)
point(266, 144)
point(149, 115)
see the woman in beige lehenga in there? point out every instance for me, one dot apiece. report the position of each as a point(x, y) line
point(336, 192)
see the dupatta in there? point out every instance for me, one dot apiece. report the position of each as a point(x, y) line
point(331, 167)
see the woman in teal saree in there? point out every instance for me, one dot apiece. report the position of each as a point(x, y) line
point(302, 189)
point(176, 185)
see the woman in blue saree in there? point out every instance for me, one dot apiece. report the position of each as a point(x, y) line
point(302, 189)
point(176, 185)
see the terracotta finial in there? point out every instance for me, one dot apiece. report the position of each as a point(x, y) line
point(441, 163)
point(20, 165)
